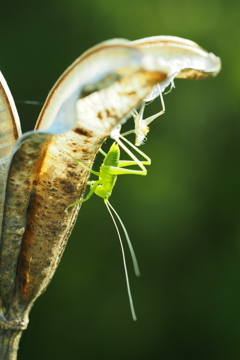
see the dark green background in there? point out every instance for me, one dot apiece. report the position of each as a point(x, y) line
point(183, 218)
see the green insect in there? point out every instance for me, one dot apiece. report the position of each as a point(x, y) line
point(103, 187)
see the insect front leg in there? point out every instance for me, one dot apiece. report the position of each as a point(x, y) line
point(86, 167)
point(93, 185)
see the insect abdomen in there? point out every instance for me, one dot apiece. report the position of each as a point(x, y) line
point(108, 180)
point(113, 156)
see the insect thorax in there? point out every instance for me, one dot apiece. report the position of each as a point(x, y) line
point(101, 191)
point(107, 183)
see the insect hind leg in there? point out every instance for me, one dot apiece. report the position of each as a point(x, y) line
point(153, 117)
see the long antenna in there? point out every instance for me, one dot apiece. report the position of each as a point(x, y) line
point(133, 256)
point(124, 264)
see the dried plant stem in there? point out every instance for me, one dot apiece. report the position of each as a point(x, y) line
point(9, 340)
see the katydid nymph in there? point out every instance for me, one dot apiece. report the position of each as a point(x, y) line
point(111, 167)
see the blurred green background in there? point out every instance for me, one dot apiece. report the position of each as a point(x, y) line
point(183, 218)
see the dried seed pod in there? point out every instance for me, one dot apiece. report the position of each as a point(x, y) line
point(186, 59)
point(10, 130)
point(93, 95)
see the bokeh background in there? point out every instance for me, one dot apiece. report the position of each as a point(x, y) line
point(183, 218)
